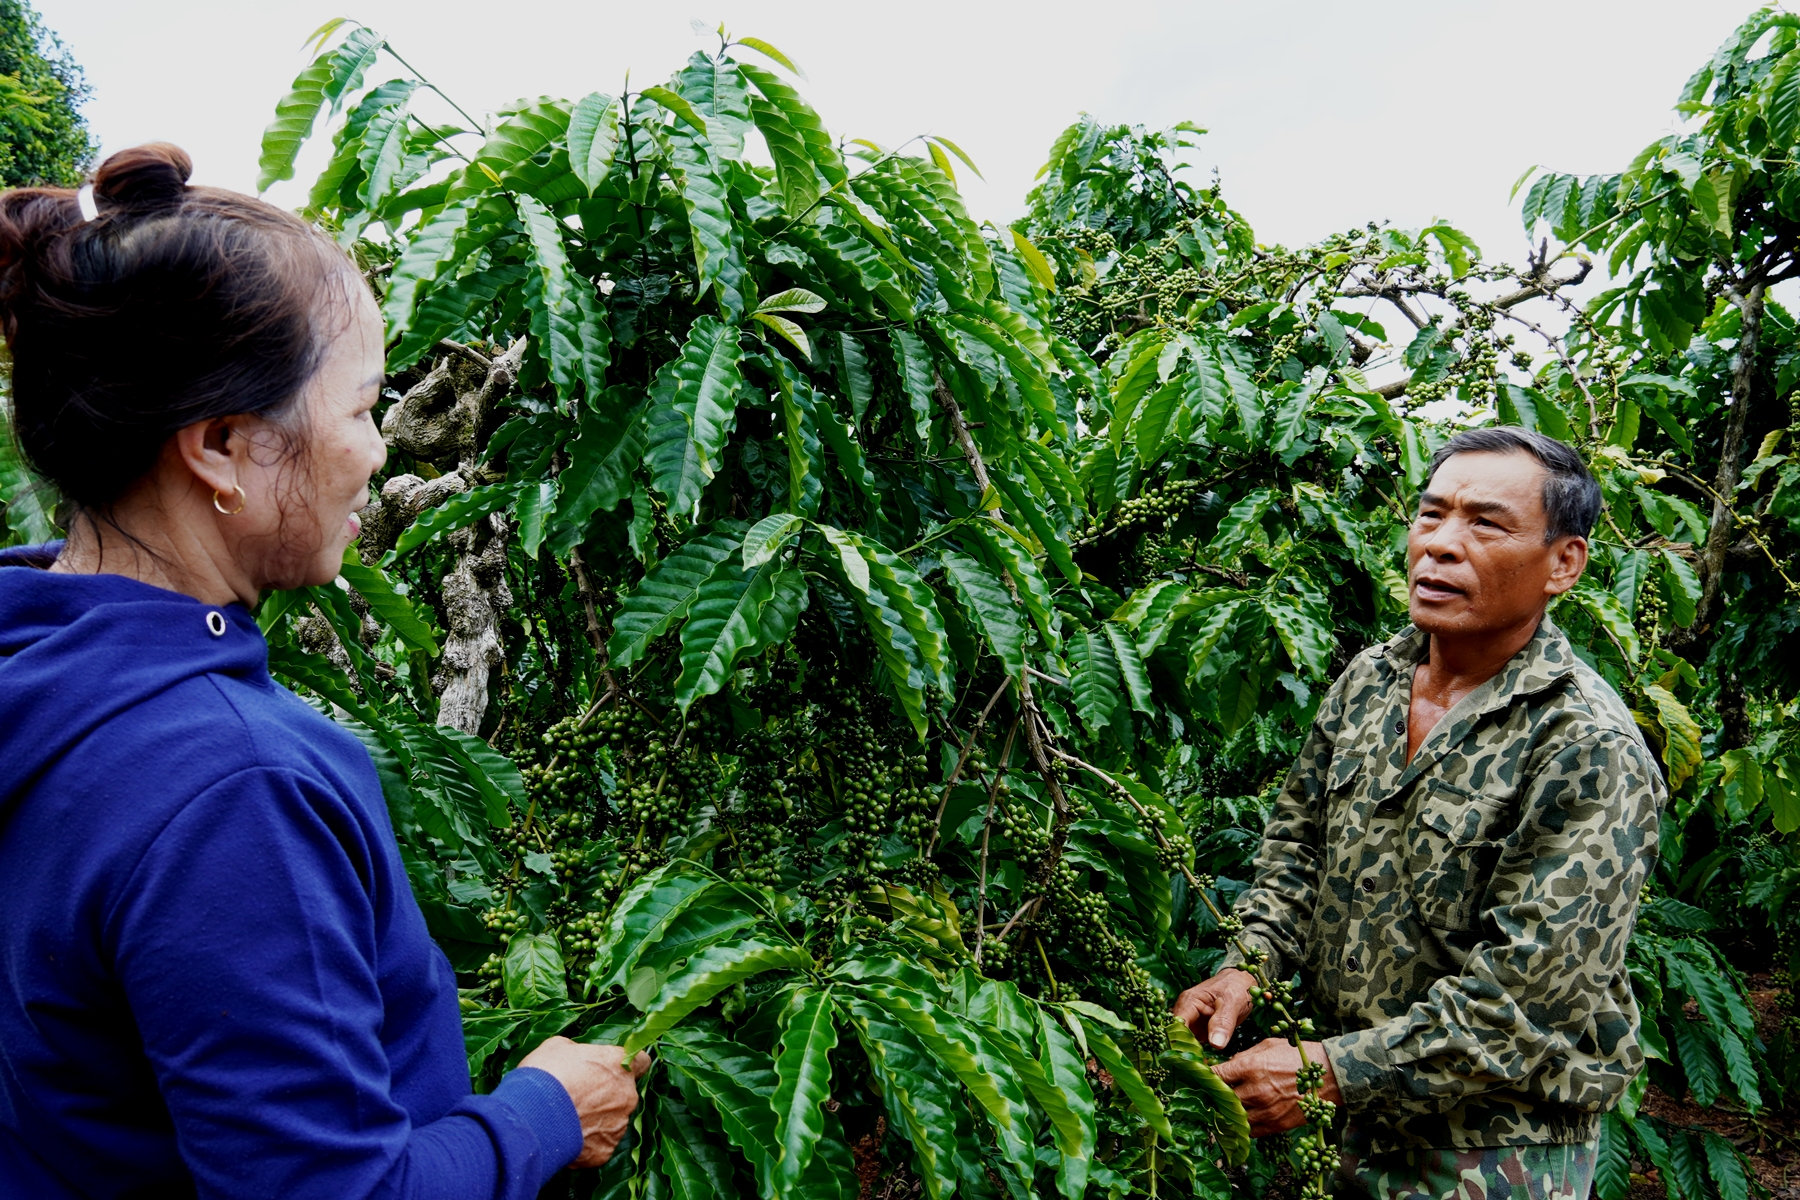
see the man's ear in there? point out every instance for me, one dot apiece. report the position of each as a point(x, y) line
point(1568, 559)
point(205, 448)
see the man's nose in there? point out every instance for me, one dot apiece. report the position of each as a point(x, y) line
point(1445, 543)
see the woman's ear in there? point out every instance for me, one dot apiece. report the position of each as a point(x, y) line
point(206, 448)
point(1568, 559)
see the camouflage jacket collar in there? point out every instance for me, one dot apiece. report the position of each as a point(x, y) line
point(1545, 661)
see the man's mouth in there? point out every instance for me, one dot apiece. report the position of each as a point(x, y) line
point(1428, 588)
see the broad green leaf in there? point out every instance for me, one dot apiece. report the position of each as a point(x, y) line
point(793, 300)
point(536, 503)
point(1610, 615)
point(801, 118)
point(995, 612)
point(1005, 553)
point(1726, 1167)
point(769, 51)
point(601, 460)
point(524, 131)
point(692, 404)
point(1307, 639)
point(327, 77)
point(678, 105)
point(458, 512)
point(1680, 734)
point(1131, 667)
point(640, 918)
point(799, 415)
point(971, 1055)
point(849, 454)
point(1207, 632)
point(1135, 382)
point(382, 154)
point(1681, 588)
point(707, 974)
point(718, 244)
point(1034, 261)
point(912, 362)
point(921, 1103)
point(1242, 522)
point(665, 594)
point(1612, 1165)
point(1154, 422)
point(559, 299)
point(795, 173)
point(910, 597)
point(492, 773)
point(803, 1072)
point(1130, 1080)
point(1023, 506)
point(29, 501)
point(485, 1029)
point(533, 971)
point(736, 1082)
point(767, 537)
point(716, 89)
point(724, 623)
point(1231, 1125)
point(853, 376)
point(789, 330)
point(390, 606)
point(850, 557)
point(1094, 677)
point(1065, 1072)
point(426, 254)
point(593, 138)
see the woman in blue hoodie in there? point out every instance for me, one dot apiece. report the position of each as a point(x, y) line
point(214, 980)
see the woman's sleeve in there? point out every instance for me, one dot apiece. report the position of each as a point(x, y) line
point(246, 944)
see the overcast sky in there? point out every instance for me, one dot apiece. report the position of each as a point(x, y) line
point(1323, 114)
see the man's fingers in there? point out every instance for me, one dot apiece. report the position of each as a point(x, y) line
point(1232, 1070)
point(639, 1065)
point(1193, 1004)
point(1225, 1018)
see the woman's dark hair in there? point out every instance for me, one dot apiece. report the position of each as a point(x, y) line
point(1571, 494)
point(174, 304)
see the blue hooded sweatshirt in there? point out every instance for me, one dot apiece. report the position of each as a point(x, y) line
point(214, 979)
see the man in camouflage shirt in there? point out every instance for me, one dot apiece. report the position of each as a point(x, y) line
point(1454, 863)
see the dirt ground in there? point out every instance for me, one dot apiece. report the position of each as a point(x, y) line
point(1770, 1140)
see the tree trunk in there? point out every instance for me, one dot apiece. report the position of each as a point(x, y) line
point(1731, 451)
point(475, 594)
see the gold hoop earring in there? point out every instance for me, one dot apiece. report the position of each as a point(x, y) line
point(230, 512)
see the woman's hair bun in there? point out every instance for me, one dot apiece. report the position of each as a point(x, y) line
point(147, 176)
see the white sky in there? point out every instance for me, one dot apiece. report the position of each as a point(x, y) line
point(1324, 114)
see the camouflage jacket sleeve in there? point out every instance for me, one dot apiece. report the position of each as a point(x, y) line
point(1543, 1002)
point(1278, 906)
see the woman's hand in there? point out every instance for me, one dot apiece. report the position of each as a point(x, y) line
point(603, 1088)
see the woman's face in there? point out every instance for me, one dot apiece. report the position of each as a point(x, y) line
point(299, 510)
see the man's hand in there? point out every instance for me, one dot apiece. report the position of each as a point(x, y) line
point(1222, 1001)
point(1264, 1079)
point(604, 1090)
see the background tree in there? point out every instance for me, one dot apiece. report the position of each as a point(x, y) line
point(44, 138)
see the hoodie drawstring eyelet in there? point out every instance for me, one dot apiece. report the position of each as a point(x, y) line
point(215, 623)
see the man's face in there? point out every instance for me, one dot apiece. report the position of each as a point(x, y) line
point(1476, 557)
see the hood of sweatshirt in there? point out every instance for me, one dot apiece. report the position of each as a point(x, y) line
point(78, 650)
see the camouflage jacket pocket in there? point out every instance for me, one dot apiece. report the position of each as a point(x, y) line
point(1451, 851)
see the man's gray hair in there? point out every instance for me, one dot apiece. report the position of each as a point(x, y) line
point(1571, 494)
